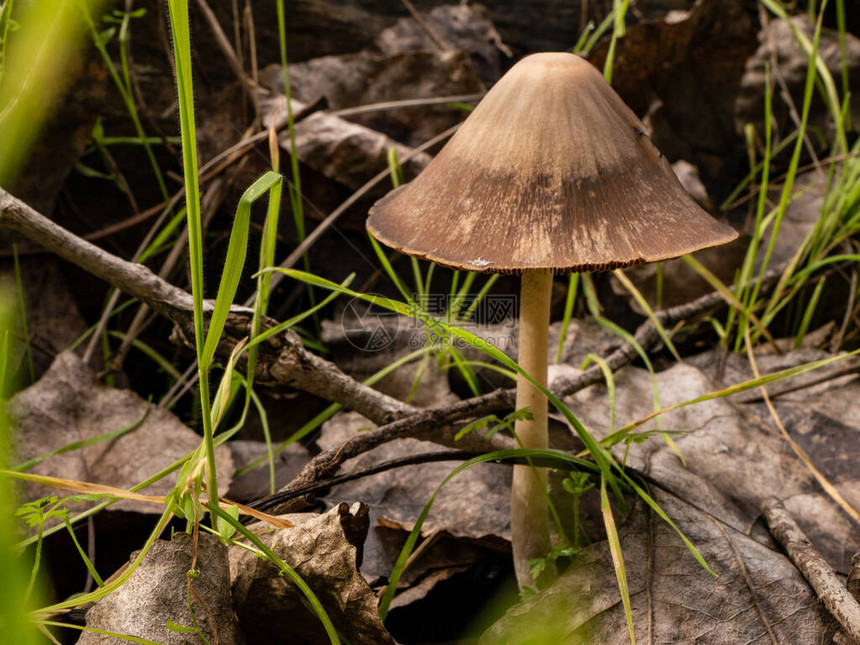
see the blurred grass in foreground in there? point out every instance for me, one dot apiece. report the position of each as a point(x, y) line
point(38, 49)
point(14, 573)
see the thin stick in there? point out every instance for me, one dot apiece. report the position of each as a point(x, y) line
point(822, 480)
point(832, 593)
point(422, 24)
point(405, 103)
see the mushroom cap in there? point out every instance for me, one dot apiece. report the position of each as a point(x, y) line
point(550, 171)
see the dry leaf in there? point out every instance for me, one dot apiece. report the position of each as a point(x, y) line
point(156, 593)
point(323, 551)
point(733, 461)
point(68, 405)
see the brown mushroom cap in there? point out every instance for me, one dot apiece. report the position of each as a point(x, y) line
point(552, 170)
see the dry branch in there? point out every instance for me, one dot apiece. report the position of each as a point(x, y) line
point(285, 363)
point(835, 595)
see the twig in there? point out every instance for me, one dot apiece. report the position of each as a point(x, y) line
point(233, 61)
point(114, 299)
point(283, 361)
point(801, 454)
point(405, 103)
point(832, 593)
point(422, 24)
point(277, 499)
point(134, 279)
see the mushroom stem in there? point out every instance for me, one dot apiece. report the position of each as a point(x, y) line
point(529, 514)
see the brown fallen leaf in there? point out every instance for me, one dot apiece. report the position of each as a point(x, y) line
point(68, 405)
point(156, 593)
point(467, 27)
point(345, 152)
point(369, 77)
point(323, 550)
point(734, 460)
point(474, 506)
point(690, 113)
point(759, 597)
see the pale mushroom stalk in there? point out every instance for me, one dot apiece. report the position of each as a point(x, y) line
point(529, 513)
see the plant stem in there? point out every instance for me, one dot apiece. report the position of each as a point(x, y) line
point(529, 518)
point(179, 22)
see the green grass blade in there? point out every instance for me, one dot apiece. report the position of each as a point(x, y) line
point(807, 315)
point(482, 292)
point(237, 250)
point(124, 87)
point(267, 436)
point(78, 445)
point(117, 582)
point(815, 64)
point(181, 33)
point(594, 307)
point(150, 353)
point(572, 288)
point(610, 384)
point(617, 557)
point(84, 557)
point(295, 320)
point(389, 270)
point(5, 27)
point(102, 632)
point(640, 299)
point(744, 278)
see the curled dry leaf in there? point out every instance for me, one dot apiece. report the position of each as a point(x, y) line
point(323, 550)
point(468, 528)
point(157, 593)
point(68, 405)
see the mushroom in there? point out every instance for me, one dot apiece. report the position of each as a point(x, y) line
point(551, 172)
